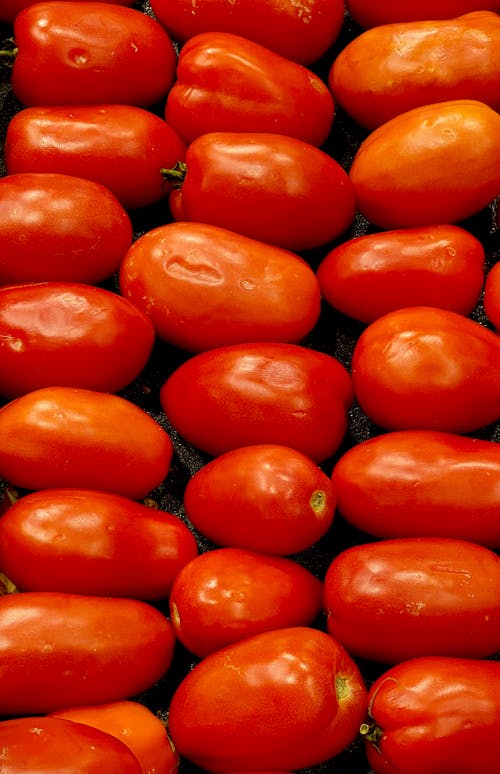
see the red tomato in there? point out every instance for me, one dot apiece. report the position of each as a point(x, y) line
point(249, 394)
point(300, 33)
point(491, 297)
point(393, 68)
point(421, 482)
point(368, 276)
point(229, 83)
point(205, 287)
point(288, 698)
point(437, 163)
point(268, 498)
point(120, 146)
point(270, 187)
point(101, 52)
point(435, 714)
point(64, 333)
point(393, 600)
point(225, 595)
point(71, 437)
point(54, 746)
point(92, 542)
point(10, 8)
point(427, 368)
point(370, 14)
point(59, 650)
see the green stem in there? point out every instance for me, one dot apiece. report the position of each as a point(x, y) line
point(372, 733)
point(8, 53)
point(176, 175)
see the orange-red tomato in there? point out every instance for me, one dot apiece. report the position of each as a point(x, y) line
point(10, 8)
point(491, 299)
point(369, 14)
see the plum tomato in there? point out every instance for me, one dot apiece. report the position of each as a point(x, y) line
point(10, 8)
point(491, 299)
point(367, 14)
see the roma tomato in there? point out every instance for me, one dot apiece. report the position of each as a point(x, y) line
point(267, 497)
point(225, 595)
point(435, 714)
point(123, 147)
point(65, 333)
point(248, 394)
point(101, 52)
point(421, 482)
point(60, 650)
point(9, 9)
point(93, 542)
point(368, 276)
point(436, 163)
point(205, 287)
point(286, 699)
point(429, 369)
point(54, 746)
point(270, 187)
point(72, 437)
point(369, 14)
point(491, 299)
point(229, 83)
point(393, 68)
point(393, 600)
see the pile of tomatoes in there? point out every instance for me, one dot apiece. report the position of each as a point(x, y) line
point(250, 387)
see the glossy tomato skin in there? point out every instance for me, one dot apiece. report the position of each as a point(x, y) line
point(270, 187)
point(10, 8)
point(92, 542)
point(123, 147)
point(435, 163)
point(226, 82)
point(266, 498)
point(313, 693)
point(421, 482)
point(72, 437)
point(428, 369)
point(368, 14)
point(392, 600)
point(435, 714)
point(248, 394)
point(122, 646)
point(491, 298)
point(205, 287)
point(368, 276)
point(84, 242)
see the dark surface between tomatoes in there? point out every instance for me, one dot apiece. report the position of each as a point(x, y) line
point(335, 334)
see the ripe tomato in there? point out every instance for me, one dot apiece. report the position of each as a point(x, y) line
point(123, 147)
point(491, 299)
point(59, 650)
point(248, 394)
point(368, 276)
point(369, 14)
point(288, 698)
point(427, 368)
point(396, 599)
point(270, 187)
point(229, 83)
point(10, 8)
point(204, 287)
point(436, 163)
point(91, 542)
point(421, 482)
point(267, 497)
point(71, 437)
point(435, 714)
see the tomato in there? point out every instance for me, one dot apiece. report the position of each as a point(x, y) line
point(92, 542)
point(369, 14)
point(55, 746)
point(225, 595)
point(248, 394)
point(10, 8)
point(229, 83)
point(436, 163)
point(270, 187)
point(72, 437)
point(396, 599)
point(421, 482)
point(288, 698)
point(435, 714)
point(60, 650)
point(204, 287)
point(430, 369)
point(300, 33)
point(123, 147)
point(266, 498)
point(370, 275)
point(90, 338)
point(100, 51)
point(491, 299)
point(136, 726)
